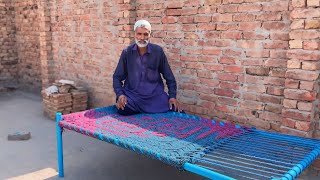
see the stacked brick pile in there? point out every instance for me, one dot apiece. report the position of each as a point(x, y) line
point(68, 99)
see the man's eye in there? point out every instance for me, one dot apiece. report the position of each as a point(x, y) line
point(146, 34)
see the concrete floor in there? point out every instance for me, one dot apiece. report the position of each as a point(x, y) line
point(85, 158)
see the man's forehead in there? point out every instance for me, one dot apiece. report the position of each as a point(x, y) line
point(142, 30)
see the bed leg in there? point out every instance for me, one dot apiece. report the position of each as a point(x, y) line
point(59, 145)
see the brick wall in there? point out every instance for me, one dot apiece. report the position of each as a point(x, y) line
point(229, 56)
point(27, 43)
point(8, 53)
point(250, 62)
point(235, 60)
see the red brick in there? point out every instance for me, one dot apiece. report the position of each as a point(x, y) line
point(291, 83)
point(255, 88)
point(222, 18)
point(278, 91)
point(259, 71)
point(298, 3)
point(295, 132)
point(202, 18)
point(204, 74)
point(249, 7)
point(311, 65)
point(302, 74)
point(304, 55)
point(227, 77)
point(247, 44)
point(269, 99)
point(303, 106)
point(253, 105)
point(312, 24)
point(207, 104)
point(276, 6)
point(307, 85)
point(311, 45)
point(206, 26)
point(227, 26)
point(174, 4)
point(230, 8)
point(249, 26)
point(211, 51)
point(186, 19)
point(288, 122)
point(233, 69)
point(269, 116)
point(227, 60)
point(274, 81)
point(304, 34)
point(297, 24)
point(209, 82)
point(288, 103)
point(275, 26)
point(255, 35)
point(300, 94)
point(224, 92)
point(276, 108)
point(257, 53)
point(293, 64)
point(231, 35)
point(304, 126)
point(295, 114)
point(276, 45)
point(206, 9)
point(269, 16)
point(243, 17)
point(277, 72)
point(169, 19)
point(212, 34)
point(173, 12)
point(260, 123)
point(304, 13)
point(313, 3)
point(229, 85)
point(227, 101)
point(213, 67)
point(284, 36)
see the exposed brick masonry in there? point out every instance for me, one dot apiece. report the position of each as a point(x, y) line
point(249, 62)
point(8, 53)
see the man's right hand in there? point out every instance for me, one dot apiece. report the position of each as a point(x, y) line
point(122, 101)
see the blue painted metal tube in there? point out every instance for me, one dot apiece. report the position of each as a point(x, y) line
point(308, 141)
point(59, 145)
point(205, 172)
point(296, 170)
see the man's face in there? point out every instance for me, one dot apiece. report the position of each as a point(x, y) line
point(142, 36)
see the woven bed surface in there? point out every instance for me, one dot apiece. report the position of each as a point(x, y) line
point(171, 137)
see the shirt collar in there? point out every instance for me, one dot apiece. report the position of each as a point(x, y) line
point(149, 48)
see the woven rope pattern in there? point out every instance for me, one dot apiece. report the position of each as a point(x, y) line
point(173, 138)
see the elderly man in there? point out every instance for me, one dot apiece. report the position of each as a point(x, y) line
point(139, 67)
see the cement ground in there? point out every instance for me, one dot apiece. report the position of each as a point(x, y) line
point(85, 158)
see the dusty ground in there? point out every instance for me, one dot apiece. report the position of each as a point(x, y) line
point(85, 158)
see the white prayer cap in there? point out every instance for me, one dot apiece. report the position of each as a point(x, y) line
point(143, 24)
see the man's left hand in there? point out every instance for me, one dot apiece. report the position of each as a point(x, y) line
point(174, 102)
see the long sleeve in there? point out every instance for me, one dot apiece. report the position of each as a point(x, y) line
point(120, 74)
point(168, 76)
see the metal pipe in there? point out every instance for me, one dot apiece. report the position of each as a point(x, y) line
point(205, 172)
point(59, 145)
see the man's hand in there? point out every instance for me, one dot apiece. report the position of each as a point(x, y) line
point(122, 101)
point(174, 102)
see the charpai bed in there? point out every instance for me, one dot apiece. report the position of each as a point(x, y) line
point(212, 149)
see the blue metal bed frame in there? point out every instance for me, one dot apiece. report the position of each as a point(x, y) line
point(254, 154)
